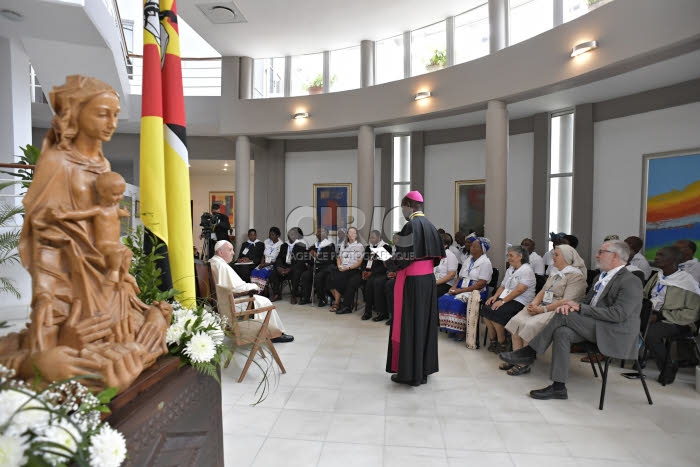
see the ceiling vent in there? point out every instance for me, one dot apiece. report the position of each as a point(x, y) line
point(222, 12)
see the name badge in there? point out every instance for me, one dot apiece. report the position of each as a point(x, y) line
point(213, 236)
point(369, 264)
point(504, 293)
point(244, 252)
point(548, 297)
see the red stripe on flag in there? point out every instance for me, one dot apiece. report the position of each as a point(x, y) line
point(173, 101)
point(151, 96)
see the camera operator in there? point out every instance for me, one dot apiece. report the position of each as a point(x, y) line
point(220, 227)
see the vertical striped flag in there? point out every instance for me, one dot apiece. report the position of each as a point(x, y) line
point(165, 179)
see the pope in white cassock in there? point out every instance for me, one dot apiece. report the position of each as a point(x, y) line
point(226, 277)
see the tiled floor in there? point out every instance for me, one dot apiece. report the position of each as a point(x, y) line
point(336, 406)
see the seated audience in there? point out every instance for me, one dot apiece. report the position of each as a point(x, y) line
point(608, 316)
point(457, 248)
point(261, 274)
point(567, 283)
point(536, 261)
point(516, 291)
point(675, 300)
point(341, 238)
point(250, 256)
point(322, 254)
point(475, 275)
point(346, 279)
point(689, 263)
point(374, 276)
point(224, 276)
point(556, 239)
point(446, 271)
point(638, 260)
point(290, 264)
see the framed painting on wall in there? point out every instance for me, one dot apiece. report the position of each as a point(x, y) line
point(228, 200)
point(670, 199)
point(469, 206)
point(331, 205)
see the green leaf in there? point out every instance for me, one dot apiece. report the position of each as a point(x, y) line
point(107, 395)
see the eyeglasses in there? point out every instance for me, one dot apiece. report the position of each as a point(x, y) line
point(600, 252)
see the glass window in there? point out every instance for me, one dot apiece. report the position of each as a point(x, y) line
point(345, 69)
point(307, 74)
point(560, 189)
point(401, 182)
point(575, 8)
point(529, 18)
point(562, 144)
point(472, 34)
point(268, 77)
point(428, 49)
point(388, 59)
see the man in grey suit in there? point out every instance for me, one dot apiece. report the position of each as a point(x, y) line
point(608, 316)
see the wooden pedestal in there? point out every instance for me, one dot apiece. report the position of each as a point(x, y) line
point(170, 416)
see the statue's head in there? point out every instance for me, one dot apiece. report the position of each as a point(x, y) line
point(68, 100)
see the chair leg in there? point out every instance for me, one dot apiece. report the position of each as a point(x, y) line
point(644, 382)
point(590, 358)
point(668, 356)
point(605, 380)
point(275, 355)
point(253, 351)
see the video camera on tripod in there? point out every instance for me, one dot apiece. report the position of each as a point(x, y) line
point(208, 221)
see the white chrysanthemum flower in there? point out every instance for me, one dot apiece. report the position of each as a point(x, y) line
point(182, 314)
point(12, 449)
point(107, 448)
point(25, 412)
point(217, 335)
point(208, 320)
point(186, 320)
point(174, 333)
point(200, 348)
point(64, 433)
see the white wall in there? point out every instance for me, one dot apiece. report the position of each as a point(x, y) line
point(447, 163)
point(620, 145)
point(303, 169)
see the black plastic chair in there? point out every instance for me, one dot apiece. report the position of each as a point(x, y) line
point(689, 337)
point(492, 286)
point(592, 350)
point(540, 280)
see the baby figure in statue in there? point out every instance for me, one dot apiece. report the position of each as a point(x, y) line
point(106, 225)
point(78, 325)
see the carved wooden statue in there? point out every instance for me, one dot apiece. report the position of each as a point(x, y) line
point(86, 317)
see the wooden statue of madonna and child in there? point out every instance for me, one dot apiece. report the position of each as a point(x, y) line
point(86, 318)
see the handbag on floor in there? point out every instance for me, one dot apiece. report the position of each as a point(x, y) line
point(473, 304)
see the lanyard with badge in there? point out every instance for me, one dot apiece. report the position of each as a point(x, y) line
point(508, 288)
point(549, 294)
point(245, 251)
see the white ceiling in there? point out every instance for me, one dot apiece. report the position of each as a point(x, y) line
point(276, 28)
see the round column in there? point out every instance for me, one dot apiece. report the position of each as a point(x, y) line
point(246, 78)
point(365, 177)
point(242, 218)
point(366, 64)
point(496, 180)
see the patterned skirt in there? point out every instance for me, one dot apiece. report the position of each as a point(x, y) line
point(260, 277)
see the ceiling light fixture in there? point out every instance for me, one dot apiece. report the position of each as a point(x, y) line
point(583, 47)
point(12, 15)
point(422, 95)
point(300, 115)
point(226, 164)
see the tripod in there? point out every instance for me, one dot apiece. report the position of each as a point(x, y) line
point(205, 248)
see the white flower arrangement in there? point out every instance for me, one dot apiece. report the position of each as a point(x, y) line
point(197, 337)
point(57, 426)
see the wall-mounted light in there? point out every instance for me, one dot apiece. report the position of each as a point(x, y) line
point(422, 95)
point(12, 15)
point(300, 115)
point(583, 47)
point(226, 164)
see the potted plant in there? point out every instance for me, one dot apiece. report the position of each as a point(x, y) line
point(438, 61)
point(315, 86)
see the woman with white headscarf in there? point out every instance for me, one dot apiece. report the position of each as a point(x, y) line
point(567, 282)
point(475, 275)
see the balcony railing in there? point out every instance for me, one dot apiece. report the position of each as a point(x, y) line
point(200, 76)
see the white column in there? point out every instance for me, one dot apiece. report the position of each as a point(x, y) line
point(450, 40)
point(496, 180)
point(242, 219)
point(365, 176)
point(326, 72)
point(407, 54)
point(366, 63)
point(246, 78)
point(15, 131)
point(498, 20)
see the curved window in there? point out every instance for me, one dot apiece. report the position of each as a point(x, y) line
point(472, 34)
point(388, 59)
point(428, 49)
point(576, 8)
point(268, 77)
point(345, 69)
point(307, 74)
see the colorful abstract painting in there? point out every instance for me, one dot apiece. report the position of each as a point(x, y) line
point(228, 200)
point(331, 202)
point(672, 200)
